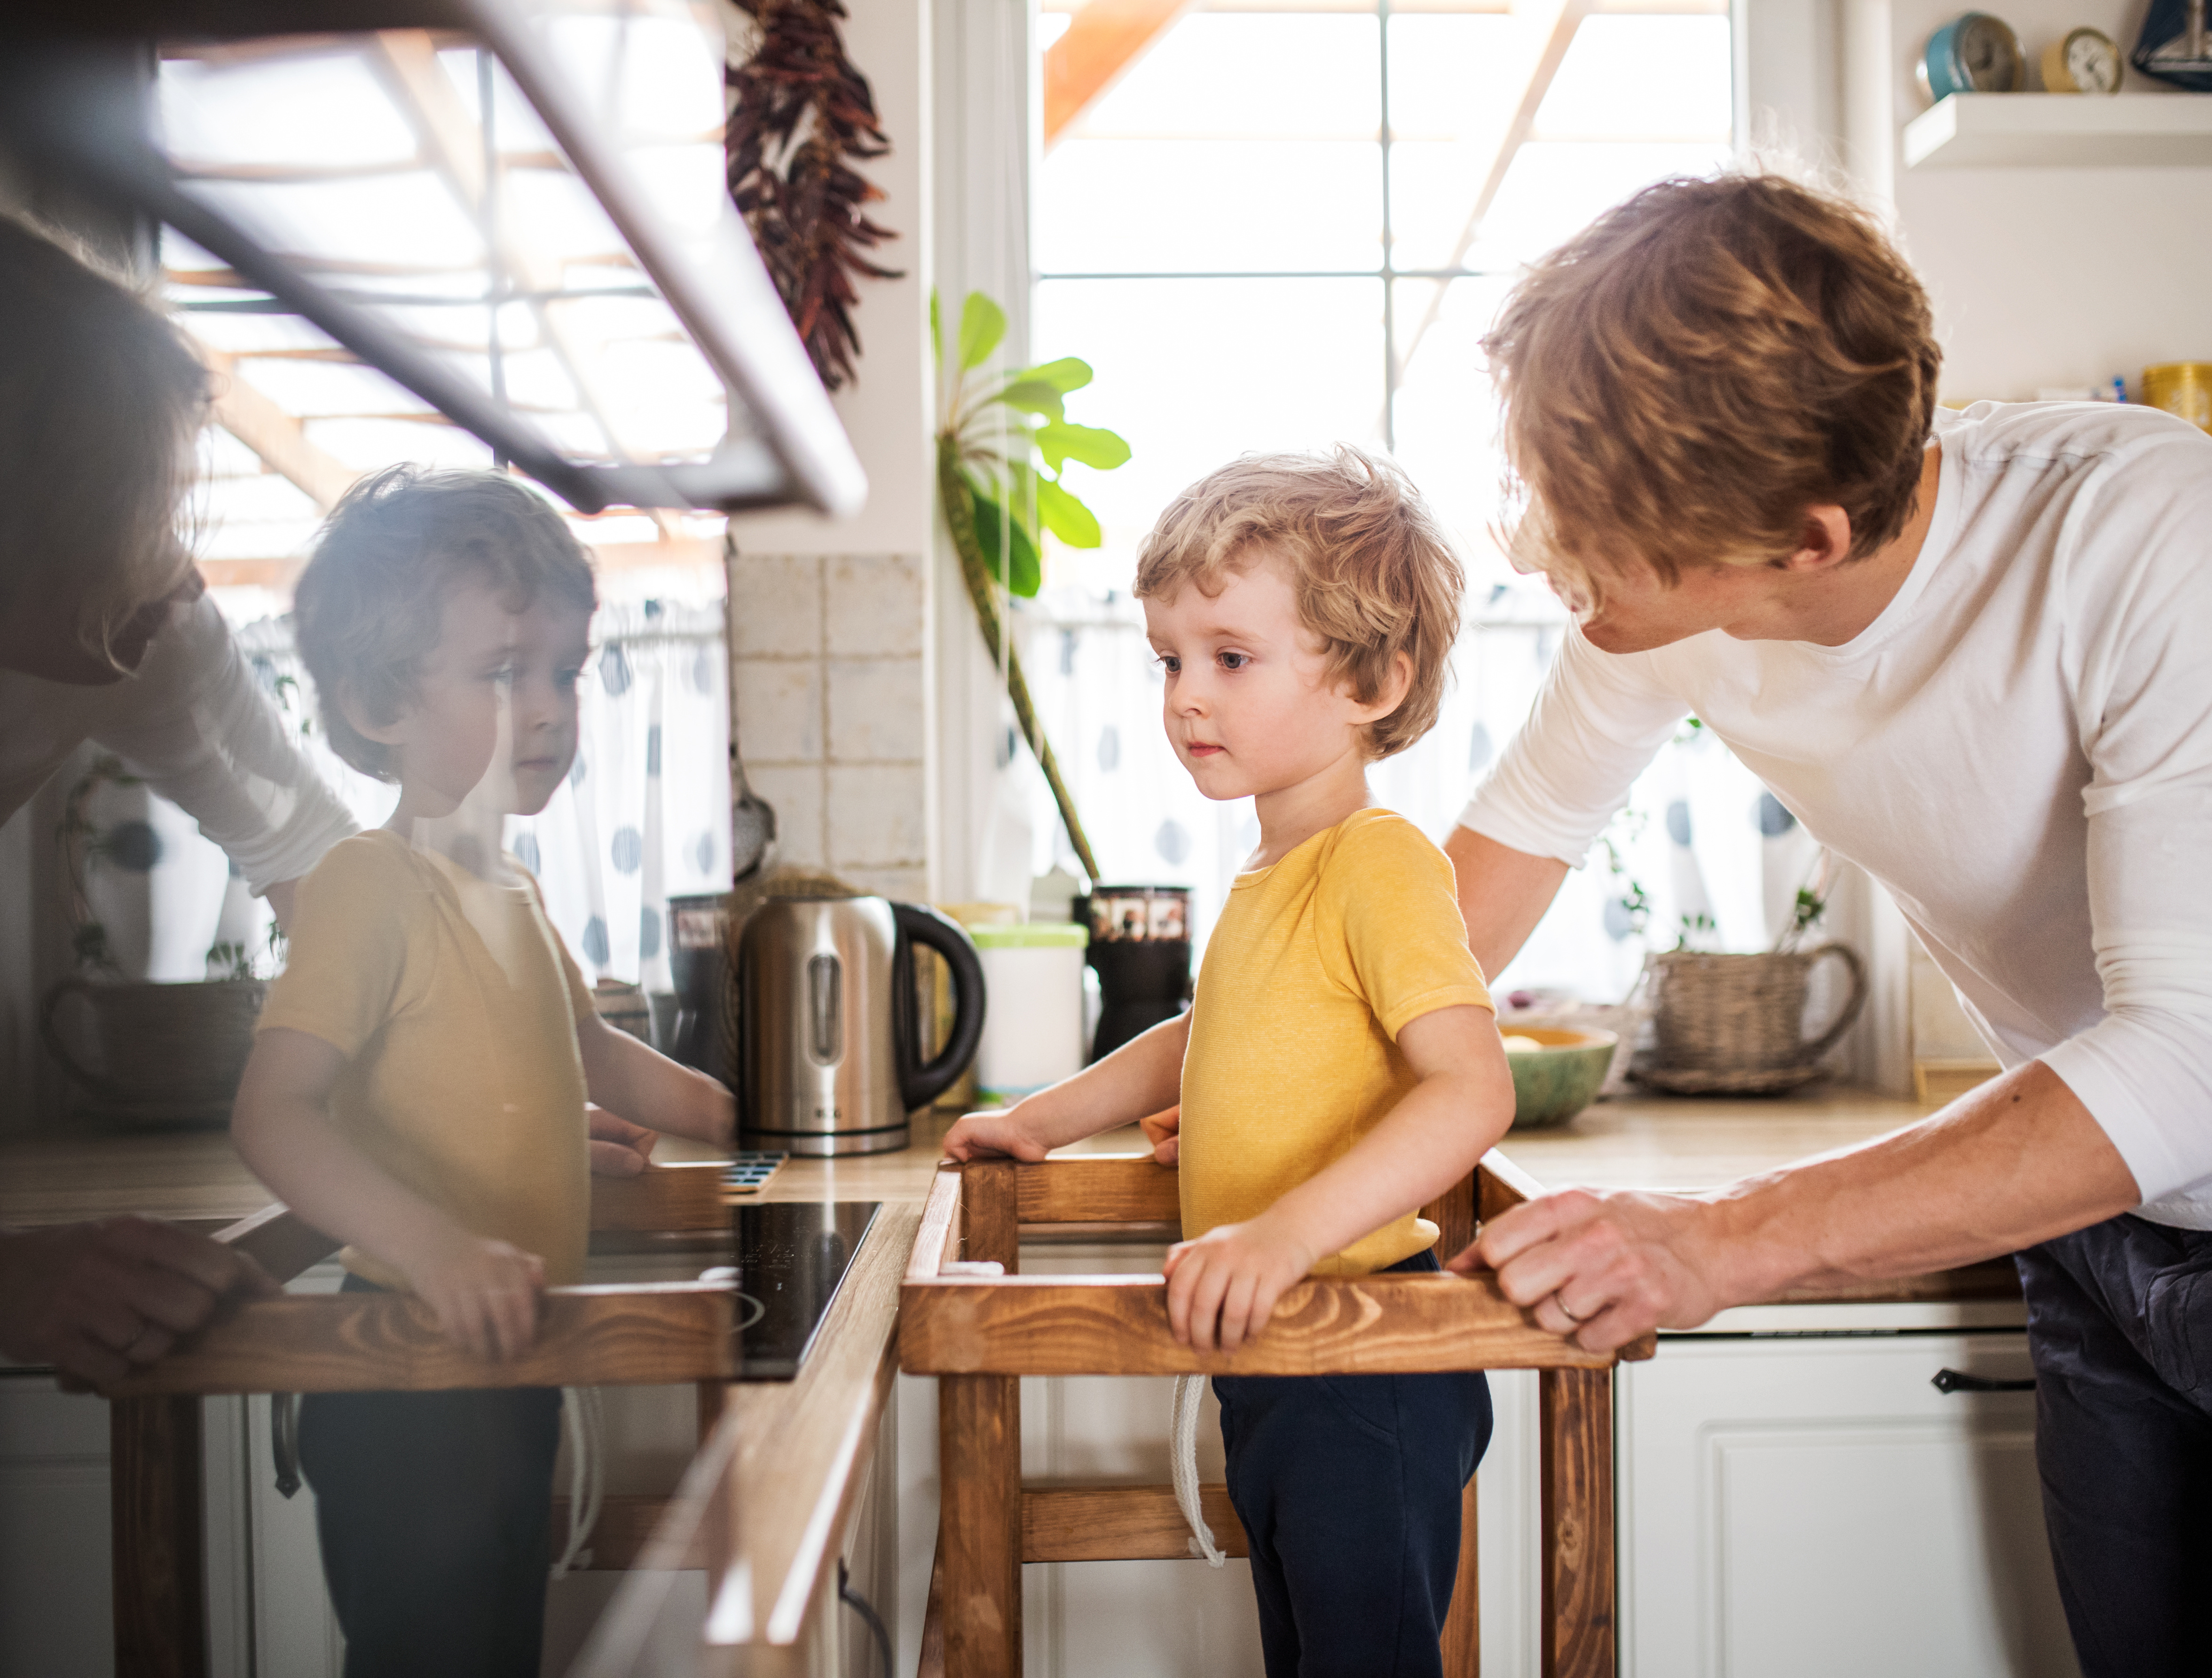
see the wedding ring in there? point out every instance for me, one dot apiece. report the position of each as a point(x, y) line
point(1567, 1314)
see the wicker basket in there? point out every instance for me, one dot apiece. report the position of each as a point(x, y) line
point(1736, 1024)
point(156, 1053)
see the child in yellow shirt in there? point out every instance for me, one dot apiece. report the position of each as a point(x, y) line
point(1341, 1066)
point(418, 1082)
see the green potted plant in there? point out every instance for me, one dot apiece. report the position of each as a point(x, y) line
point(1003, 442)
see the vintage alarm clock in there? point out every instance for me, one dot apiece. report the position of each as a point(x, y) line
point(1973, 53)
point(2087, 61)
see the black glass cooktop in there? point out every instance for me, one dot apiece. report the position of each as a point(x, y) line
point(791, 1255)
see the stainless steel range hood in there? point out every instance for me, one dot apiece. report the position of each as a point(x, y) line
point(515, 210)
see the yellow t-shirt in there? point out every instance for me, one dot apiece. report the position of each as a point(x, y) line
point(455, 1004)
point(1315, 967)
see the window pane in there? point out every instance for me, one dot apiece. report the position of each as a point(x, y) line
point(1239, 142)
point(1444, 412)
point(1195, 373)
point(1641, 78)
point(1554, 190)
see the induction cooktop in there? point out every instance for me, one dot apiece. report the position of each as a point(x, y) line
point(791, 1255)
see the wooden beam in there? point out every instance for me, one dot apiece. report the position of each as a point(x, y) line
point(1121, 1522)
point(1105, 38)
point(1098, 1188)
point(932, 1664)
point(280, 440)
point(1118, 1325)
point(990, 1213)
point(656, 1335)
point(979, 1528)
point(1462, 1635)
point(157, 1563)
point(937, 1239)
point(1574, 1411)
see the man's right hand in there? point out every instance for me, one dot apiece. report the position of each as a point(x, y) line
point(999, 1134)
point(92, 1299)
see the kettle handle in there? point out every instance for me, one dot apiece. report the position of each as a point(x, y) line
point(920, 1084)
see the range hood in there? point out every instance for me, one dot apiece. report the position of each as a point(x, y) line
point(515, 209)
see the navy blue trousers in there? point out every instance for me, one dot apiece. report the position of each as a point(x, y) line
point(1349, 1487)
point(2120, 1326)
point(432, 1509)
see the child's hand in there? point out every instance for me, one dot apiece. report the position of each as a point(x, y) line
point(997, 1135)
point(1232, 1276)
point(619, 1148)
point(485, 1293)
point(1163, 1130)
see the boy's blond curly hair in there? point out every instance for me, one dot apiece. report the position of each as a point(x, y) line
point(1371, 571)
point(369, 603)
point(1683, 378)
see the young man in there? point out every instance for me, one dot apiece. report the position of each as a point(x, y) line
point(1968, 651)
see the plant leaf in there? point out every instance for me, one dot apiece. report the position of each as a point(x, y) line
point(1066, 374)
point(982, 324)
point(1019, 570)
point(936, 333)
point(1066, 517)
point(1059, 441)
point(1032, 395)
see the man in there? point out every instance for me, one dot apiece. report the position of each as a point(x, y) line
point(1969, 652)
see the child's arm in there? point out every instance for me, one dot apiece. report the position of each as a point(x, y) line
point(1142, 1076)
point(485, 1292)
point(634, 1079)
point(1222, 1286)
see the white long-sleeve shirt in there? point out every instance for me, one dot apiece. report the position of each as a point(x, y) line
point(2020, 748)
point(194, 721)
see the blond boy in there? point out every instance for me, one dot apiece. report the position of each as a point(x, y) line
point(1341, 1066)
point(418, 1082)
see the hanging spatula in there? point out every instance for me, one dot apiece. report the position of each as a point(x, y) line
point(752, 820)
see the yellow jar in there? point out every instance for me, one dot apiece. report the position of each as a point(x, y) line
point(2182, 388)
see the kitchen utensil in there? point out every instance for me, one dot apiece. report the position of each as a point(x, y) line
point(2083, 61)
point(1140, 950)
point(752, 819)
point(2182, 388)
point(698, 931)
point(829, 1058)
point(1734, 1024)
point(1557, 1079)
point(156, 1055)
point(2174, 45)
point(1034, 1034)
point(1973, 53)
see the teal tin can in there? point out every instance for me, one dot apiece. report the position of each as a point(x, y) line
point(1973, 53)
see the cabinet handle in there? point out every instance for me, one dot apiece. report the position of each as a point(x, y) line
point(1956, 1380)
point(284, 1440)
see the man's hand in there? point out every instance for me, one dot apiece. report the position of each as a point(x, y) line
point(619, 1148)
point(92, 1299)
point(1604, 1268)
point(1164, 1132)
point(1222, 1287)
point(485, 1292)
point(993, 1135)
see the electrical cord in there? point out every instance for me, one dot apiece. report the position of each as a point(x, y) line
point(860, 1605)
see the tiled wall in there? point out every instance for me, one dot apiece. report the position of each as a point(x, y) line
point(832, 711)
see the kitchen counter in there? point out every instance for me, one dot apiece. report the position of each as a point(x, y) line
point(802, 1446)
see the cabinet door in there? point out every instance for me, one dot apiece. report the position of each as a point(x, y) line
point(1815, 1507)
point(55, 1617)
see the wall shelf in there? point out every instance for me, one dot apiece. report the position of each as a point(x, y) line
point(2076, 131)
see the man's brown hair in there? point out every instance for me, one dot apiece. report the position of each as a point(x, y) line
point(369, 605)
point(1704, 362)
point(1372, 572)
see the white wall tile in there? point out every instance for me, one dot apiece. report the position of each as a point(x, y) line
point(876, 605)
point(904, 885)
point(877, 711)
point(775, 606)
point(795, 793)
point(877, 816)
point(779, 703)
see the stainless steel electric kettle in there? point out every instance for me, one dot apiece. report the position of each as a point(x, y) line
point(829, 1052)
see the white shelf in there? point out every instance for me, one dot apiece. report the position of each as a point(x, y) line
point(2077, 131)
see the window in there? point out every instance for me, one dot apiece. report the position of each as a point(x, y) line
point(1287, 225)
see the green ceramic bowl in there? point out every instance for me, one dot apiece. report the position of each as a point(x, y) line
point(1552, 1084)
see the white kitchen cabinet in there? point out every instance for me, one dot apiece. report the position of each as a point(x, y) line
point(1812, 1506)
point(54, 1600)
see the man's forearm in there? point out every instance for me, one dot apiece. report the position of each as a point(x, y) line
point(1503, 894)
point(2017, 1161)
